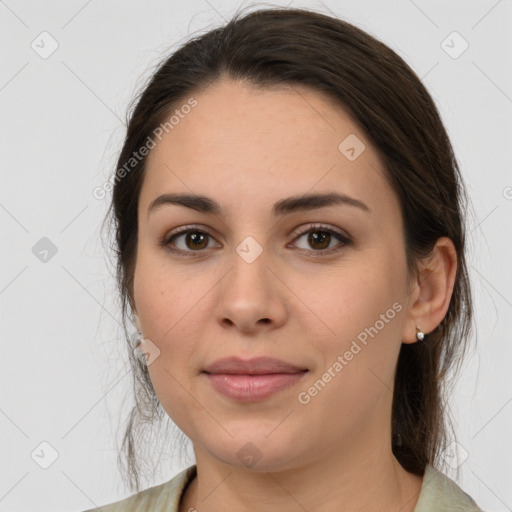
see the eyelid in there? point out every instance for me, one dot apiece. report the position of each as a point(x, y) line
point(183, 230)
point(301, 230)
point(343, 238)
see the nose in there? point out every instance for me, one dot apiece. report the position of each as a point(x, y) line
point(251, 297)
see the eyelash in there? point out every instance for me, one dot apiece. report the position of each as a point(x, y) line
point(345, 240)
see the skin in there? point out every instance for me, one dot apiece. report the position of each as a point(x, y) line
point(246, 149)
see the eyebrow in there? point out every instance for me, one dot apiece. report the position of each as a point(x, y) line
point(303, 202)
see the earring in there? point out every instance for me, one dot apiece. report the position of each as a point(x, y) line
point(420, 335)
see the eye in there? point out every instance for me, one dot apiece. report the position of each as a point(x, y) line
point(320, 238)
point(186, 240)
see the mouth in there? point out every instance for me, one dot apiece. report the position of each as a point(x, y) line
point(252, 380)
point(255, 386)
point(254, 366)
point(252, 388)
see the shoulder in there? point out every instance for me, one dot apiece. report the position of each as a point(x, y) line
point(439, 492)
point(163, 497)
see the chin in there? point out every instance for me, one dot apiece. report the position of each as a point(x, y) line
point(256, 450)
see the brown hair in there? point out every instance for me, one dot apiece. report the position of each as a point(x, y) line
point(274, 46)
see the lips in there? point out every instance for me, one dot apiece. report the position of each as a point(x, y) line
point(252, 380)
point(255, 366)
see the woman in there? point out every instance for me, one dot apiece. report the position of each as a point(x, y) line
point(290, 234)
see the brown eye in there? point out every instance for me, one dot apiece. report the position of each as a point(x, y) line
point(320, 238)
point(187, 240)
point(196, 240)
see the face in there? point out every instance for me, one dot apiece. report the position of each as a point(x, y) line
point(321, 285)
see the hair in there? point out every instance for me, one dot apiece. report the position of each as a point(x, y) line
point(275, 47)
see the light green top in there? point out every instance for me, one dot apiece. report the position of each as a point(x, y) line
point(439, 493)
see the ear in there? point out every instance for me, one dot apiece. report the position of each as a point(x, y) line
point(137, 322)
point(431, 290)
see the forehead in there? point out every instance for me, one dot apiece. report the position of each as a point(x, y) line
point(241, 143)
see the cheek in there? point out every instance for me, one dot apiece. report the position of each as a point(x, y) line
point(354, 300)
point(169, 310)
point(364, 307)
point(164, 296)
point(355, 377)
point(173, 303)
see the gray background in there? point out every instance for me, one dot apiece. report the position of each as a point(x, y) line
point(63, 372)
